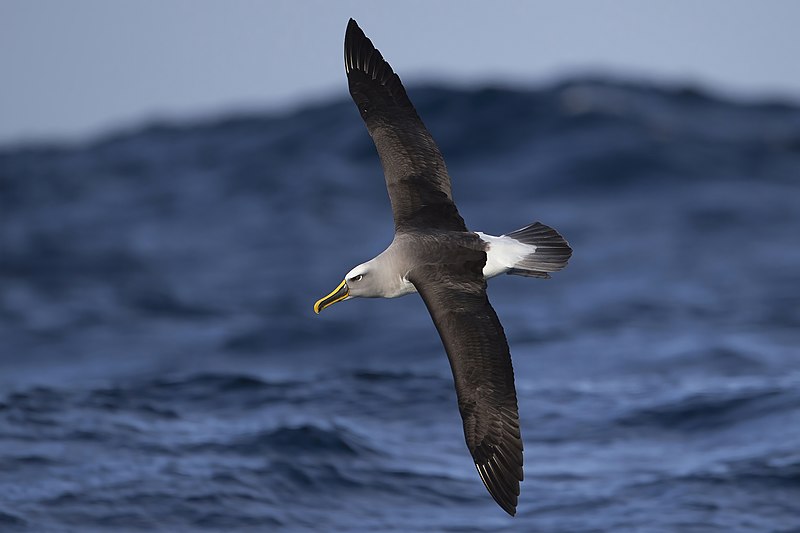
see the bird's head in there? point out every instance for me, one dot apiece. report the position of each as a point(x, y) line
point(359, 282)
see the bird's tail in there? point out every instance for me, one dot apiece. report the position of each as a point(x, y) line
point(551, 254)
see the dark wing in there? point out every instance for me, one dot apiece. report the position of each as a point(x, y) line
point(416, 177)
point(476, 345)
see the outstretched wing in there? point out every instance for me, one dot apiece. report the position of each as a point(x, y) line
point(476, 345)
point(416, 177)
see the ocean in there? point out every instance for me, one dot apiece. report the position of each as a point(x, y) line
point(162, 369)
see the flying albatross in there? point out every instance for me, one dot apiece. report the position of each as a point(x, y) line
point(434, 253)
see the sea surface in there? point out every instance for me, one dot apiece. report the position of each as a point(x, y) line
point(162, 369)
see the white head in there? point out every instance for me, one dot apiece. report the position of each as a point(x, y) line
point(381, 277)
point(362, 281)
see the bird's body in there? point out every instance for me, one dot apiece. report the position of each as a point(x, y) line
point(434, 253)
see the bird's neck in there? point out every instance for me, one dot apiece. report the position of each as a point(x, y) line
point(389, 265)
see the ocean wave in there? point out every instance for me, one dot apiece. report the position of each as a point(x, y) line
point(11, 520)
point(297, 441)
point(712, 410)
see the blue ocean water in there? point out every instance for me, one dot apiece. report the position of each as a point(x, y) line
point(161, 367)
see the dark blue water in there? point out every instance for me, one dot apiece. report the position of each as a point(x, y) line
point(161, 368)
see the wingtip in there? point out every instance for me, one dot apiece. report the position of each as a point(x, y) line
point(354, 37)
point(501, 472)
point(353, 30)
point(361, 55)
point(506, 500)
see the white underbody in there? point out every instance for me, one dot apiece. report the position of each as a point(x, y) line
point(502, 254)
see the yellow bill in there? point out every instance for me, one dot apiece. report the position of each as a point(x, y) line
point(339, 293)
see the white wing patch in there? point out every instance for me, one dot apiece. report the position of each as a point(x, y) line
point(503, 253)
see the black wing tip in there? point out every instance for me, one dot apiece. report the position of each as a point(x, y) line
point(372, 80)
point(504, 489)
point(356, 46)
point(500, 466)
point(354, 32)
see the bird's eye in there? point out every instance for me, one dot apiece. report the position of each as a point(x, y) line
point(357, 278)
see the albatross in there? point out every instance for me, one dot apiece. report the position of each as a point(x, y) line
point(433, 253)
